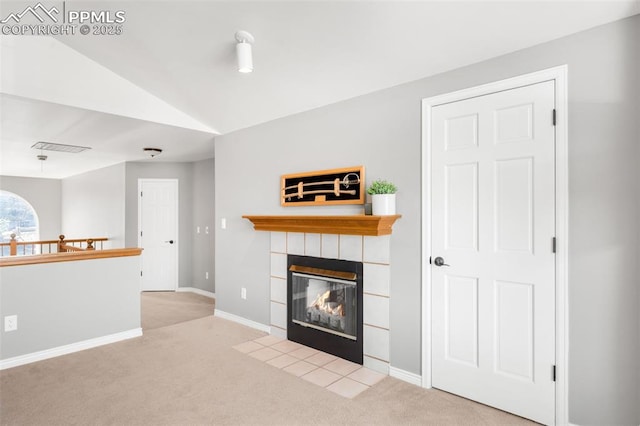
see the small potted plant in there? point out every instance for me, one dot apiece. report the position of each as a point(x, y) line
point(383, 197)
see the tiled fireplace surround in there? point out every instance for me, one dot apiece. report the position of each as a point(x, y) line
point(373, 251)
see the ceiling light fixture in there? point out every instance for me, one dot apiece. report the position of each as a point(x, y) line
point(152, 151)
point(243, 50)
point(42, 159)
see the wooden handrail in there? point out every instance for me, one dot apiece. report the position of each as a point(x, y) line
point(69, 256)
point(14, 246)
point(63, 248)
point(66, 247)
point(61, 245)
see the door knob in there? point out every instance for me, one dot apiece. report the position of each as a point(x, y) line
point(170, 241)
point(438, 261)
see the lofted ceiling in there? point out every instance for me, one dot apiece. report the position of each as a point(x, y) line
point(170, 78)
point(112, 138)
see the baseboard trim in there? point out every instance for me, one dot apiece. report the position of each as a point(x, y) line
point(68, 349)
point(196, 291)
point(414, 379)
point(241, 320)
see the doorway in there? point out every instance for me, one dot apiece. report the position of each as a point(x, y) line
point(158, 233)
point(494, 274)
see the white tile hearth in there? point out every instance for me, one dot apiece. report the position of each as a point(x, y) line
point(300, 368)
point(304, 352)
point(366, 376)
point(283, 361)
point(347, 388)
point(321, 377)
point(247, 347)
point(269, 340)
point(265, 354)
point(287, 346)
point(374, 252)
point(321, 359)
point(342, 366)
point(337, 375)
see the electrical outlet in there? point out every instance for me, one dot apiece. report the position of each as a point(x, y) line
point(206, 229)
point(243, 293)
point(206, 275)
point(11, 323)
point(223, 223)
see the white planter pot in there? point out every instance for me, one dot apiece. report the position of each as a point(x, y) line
point(383, 204)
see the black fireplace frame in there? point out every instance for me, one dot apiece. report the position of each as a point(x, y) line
point(342, 347)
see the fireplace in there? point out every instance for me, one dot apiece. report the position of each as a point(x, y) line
point(324, 305)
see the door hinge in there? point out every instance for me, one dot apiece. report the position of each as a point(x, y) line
point(554, 117)
point(140, 273)
point(141, 233)
point(553, 123)
point(553, 244)
point(553, 373)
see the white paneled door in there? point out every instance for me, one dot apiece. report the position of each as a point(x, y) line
point(492, 245)
point(158, 233)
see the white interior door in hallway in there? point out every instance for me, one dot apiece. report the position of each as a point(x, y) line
point(158, 233)
point(492, 248)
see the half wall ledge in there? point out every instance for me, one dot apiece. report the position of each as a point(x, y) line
point(68, 257)
point(345, 225)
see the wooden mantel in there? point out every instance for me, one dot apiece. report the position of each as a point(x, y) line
point(347, 225)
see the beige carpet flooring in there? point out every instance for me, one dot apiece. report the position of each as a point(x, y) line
point(189, 374)
point(162, 308)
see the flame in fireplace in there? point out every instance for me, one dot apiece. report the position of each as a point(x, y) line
point(322, 303)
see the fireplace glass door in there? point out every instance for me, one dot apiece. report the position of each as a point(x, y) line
point(326, 304)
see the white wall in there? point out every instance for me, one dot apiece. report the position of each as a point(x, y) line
point(203, 213)
point(93, 205)
point(44, 195)
point(104, 203)
point(382, 132)
point(62, 303)
point(158, 170)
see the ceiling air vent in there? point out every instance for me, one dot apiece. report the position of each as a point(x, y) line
point(49, 146)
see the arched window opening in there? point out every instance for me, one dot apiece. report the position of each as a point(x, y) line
point(17, 217)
